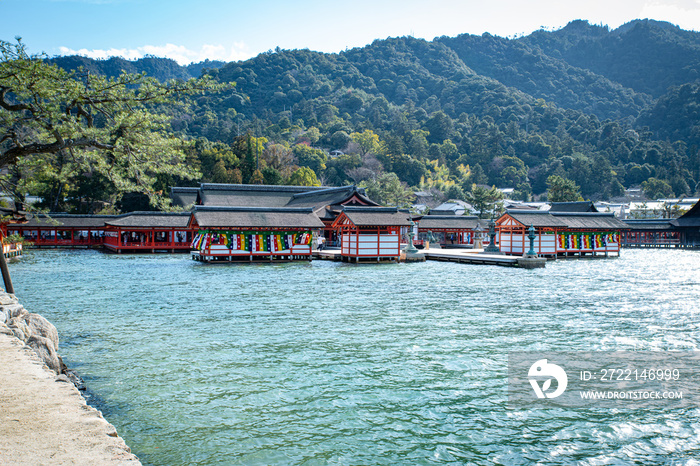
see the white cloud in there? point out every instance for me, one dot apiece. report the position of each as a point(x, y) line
point(179, 53)
point(683, 13)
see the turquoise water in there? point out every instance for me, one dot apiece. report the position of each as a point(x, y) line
point(330, 363)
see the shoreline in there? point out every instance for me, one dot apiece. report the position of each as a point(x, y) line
point(44, 419)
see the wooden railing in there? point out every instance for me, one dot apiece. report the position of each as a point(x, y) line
point(12, 249)
point(115, 243)
point(54, 241)
point(652, 241)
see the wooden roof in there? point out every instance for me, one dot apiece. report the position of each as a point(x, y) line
point(567, 220)
point(248, 195)
point(151, 220)
point(328, 213)
point(183, 196)
point(265, 196)
point(255, 217)
point(579, 206)
point(330, 196)
point(442, 212)
point(651, 224)
point(536, 218)
point(58, 220)
point(690, 218)
point(452, 222)
point(591, 220)
point(376, 216)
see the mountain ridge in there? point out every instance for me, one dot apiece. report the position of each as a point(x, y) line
point(606, 108)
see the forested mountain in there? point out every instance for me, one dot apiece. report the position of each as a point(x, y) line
point(607, 109)
point(528, 68)
point(647, 56)
point(159, 68)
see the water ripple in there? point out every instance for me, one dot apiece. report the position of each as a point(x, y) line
point(329, 363)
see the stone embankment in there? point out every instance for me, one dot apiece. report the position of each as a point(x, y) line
point(44, 419)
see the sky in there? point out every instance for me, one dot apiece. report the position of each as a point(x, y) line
point(229, 30)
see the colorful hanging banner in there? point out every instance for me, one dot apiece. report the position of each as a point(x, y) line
point(585, 240)
point(250, 241)
point(586, 243)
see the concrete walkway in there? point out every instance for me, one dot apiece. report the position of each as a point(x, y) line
point(45, 421)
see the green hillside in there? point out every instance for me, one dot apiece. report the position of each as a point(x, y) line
point(647, 56)
point(606, 109)
point(159, 68)
point(528, 68)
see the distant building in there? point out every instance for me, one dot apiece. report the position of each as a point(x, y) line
point(425, 200)
point(148, 231)
point(325, 202)
point(651, 232)
point(454, 207)
point(560, 233)
point(230, 233)
point(448, 230)
point(634, 193)
point(60, 229)
point(582, 206)
point(522, 205)
point(371, 233)
point(507, 192)
point(660, 208)
point(619, 209)
point(688, 225)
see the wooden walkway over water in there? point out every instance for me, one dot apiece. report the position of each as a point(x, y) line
point(666, 245)
point(470, 256)
point(463, 256)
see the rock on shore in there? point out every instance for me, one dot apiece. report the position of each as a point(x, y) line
point(31, 329)
point(43, 417)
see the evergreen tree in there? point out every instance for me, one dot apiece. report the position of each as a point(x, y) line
point(78, 125)
point(561, 189)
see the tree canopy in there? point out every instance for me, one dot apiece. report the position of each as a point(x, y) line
point(389, 190)
point(562, 190)
point(483, 198)
point(61, 130)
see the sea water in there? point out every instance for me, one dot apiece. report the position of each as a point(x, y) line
point(331, 363)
